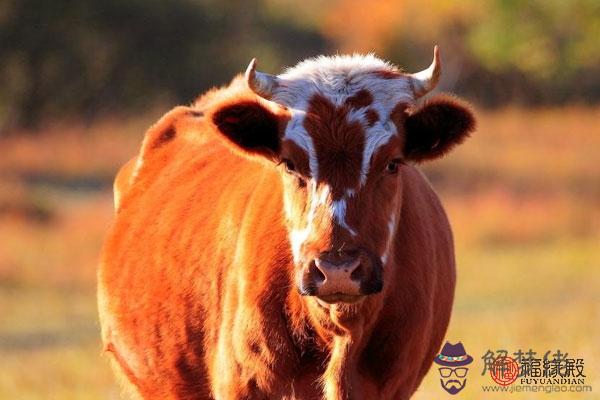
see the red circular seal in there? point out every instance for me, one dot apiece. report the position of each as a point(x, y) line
point(504, 371)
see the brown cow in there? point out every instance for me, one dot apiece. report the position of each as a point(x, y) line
point(275, 241)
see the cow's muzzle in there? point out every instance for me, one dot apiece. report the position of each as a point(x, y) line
point(336, 277)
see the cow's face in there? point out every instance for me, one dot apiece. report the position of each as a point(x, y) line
point(340, 131)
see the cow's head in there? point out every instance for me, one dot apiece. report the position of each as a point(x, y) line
point(339, 130)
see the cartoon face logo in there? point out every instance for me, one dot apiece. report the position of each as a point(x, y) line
point(453, 373)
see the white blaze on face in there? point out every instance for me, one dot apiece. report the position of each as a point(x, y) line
point(296, 133)
point(298, 237)
point(338, 212)
point(390, 239)
point(320, 200)
point(339, 78)
point(376, 137)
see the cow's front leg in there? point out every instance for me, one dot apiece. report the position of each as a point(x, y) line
point(254, 359)
point(232, 378)
point(341, 380)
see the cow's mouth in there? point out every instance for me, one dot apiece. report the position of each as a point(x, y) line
point(339, 298)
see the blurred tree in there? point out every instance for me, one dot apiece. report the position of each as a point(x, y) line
point(496, 51)
point(550, 47)
point(82, 58)
point(85, 58)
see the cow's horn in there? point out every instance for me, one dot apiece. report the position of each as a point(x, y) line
point(262, 84)
point(426, 80)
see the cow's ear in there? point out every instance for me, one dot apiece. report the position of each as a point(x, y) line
point(253, 127)
point(435, 127)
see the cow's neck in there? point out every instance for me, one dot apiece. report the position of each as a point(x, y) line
point(341, 373)
point(343, 332)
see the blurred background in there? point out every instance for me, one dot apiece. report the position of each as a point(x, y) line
point(80, 81)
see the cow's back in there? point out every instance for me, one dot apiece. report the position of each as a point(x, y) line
point(183, 203)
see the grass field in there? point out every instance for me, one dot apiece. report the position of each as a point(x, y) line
point(523, 196)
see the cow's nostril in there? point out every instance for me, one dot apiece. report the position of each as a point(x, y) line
point(358, 273)
point(317, 274)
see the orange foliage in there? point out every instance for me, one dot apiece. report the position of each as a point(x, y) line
point(360, 26)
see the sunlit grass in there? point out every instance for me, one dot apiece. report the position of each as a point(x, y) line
point(522, 195)
point(541, 297)
point(523, 199)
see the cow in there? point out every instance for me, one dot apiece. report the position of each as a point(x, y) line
point(276, 239)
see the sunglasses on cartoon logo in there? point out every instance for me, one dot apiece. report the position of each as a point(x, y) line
point(459, 372)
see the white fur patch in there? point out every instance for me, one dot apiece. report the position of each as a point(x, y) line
point(376, 137)
point(337, 78)
point(390, 239)
point(338, 212)
point(296, 133)
point(297, 239)
point(320, 197)
point(299, 236)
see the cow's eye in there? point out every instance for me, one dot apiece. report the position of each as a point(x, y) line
point(392, 167)
point(289, 165)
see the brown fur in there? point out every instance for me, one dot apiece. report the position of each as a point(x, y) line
point(372, 117)
point(339, 144)
point(363, 98)
point(386, 74)
point(196, 280)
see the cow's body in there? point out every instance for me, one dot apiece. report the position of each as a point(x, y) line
point(197, 296)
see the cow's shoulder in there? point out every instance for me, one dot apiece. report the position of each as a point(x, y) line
point(121, 183)
point(421, 205)
point(163, 141)
point(418, 188)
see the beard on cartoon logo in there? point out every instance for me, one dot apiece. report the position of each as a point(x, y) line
point(450, 384)
point(453, 374)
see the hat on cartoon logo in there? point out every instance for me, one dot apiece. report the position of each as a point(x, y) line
point(453, 373)
point(453, 355)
